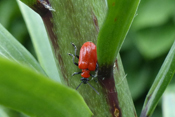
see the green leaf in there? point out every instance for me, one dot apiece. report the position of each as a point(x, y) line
point(116, 25)
point(24, 90)
point(162, 80)
point(168, 104)
point(10, 48)
point(40, 41)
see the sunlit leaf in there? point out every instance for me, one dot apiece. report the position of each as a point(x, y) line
point(40, 41)
point(10, 48)
point(25, 90)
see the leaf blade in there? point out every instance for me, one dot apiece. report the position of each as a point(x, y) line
point(40, 41)
point(115, 27)
point(162, 80)
point(10, 48)
point(29, 92)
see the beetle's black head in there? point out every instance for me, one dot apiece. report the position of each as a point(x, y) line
point(85, 80)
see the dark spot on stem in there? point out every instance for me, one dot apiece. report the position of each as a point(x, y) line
point(116, 65)
point(113, 4)
point(116, 112)
point(149, 97)
point(106, 80)
point(115, 19)
point(143, 113)
point(95, 20)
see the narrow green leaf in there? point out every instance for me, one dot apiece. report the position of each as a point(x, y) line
point(24, 90)
point(116, 25)
point(40, 40)
point(10, 48)
point(162, 80)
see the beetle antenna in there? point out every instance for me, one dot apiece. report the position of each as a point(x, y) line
point(79, 85)
point(93, 88)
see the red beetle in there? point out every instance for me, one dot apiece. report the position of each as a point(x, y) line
point(87, 62)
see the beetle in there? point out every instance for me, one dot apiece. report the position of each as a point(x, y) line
point(87, 62)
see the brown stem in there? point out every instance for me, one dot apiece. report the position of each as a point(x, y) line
point(107, 82)
point(46, 15)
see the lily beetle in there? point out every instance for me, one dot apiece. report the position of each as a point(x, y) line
point(87, 62)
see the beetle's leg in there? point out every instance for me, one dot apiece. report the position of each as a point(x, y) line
point(96, 70)
point(75, 73)
point(77, 56)
point(93, 88)
point(79, 85)
point(73, 59)
point(94, 78)
point(75, 50)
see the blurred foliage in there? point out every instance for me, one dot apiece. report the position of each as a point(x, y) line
point(145, 48)
point(13, 21)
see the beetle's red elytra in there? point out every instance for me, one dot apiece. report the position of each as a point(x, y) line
point(87, 59)
point(87, 62)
